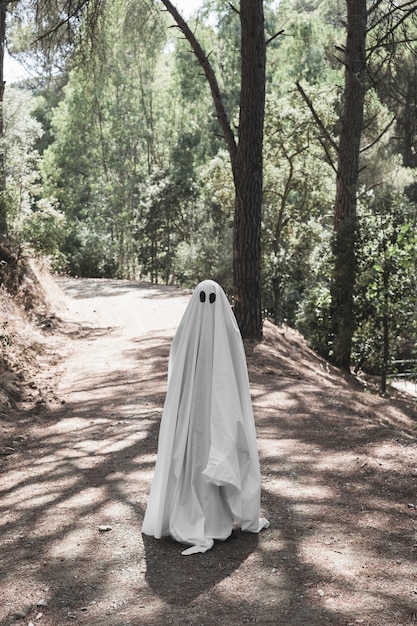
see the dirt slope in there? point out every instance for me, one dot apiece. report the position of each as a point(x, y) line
point(339, 472)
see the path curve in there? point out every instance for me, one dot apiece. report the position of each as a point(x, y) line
point(110, 318)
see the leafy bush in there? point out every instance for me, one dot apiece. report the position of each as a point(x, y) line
point(44, 228)
point(313, 315)
point(87, 253)
point(386, 291)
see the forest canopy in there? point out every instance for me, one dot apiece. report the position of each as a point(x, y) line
point(115, 163)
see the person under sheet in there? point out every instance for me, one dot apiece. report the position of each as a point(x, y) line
point(207, 477)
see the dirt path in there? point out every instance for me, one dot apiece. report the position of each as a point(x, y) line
point(339, 486)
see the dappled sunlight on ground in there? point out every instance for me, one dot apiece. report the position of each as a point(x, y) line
point(339, 470)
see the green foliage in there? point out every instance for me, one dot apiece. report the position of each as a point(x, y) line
point(387, 283)
point(208, 256)
point(22, 160)
point(44, 229)
point(133, 130)
point(298, 197)
point(136, 180)
point(33, 221)
point(309, 42)
point(164, 201)
point(108, 136)
point(87, 253)
point(207, 253)
point(313, 318)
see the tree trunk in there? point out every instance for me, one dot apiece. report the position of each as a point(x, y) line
point(409, 122)
point(3, 208)
point(345, 225)
point(248, 172)
point(245, 157)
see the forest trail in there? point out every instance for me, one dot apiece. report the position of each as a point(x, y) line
point(339, 467)
point(114, 321)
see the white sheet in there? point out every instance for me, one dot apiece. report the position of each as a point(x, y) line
point(207, 475)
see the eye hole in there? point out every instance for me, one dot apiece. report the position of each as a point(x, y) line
point(203, 296)
point(212, 297)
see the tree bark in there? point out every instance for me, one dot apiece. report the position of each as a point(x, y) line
point(248, 172)
point(345, 218)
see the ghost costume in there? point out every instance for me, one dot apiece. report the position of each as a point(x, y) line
point(207, 475)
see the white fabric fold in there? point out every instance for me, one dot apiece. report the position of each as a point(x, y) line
point(198, 549)
point(207, 473)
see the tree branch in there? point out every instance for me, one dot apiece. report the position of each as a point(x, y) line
point(381, 134)
point(233, 8)
point(70, 11)
point(408, 8)
point(319, 123)
point(328, 155)
point(280, 32)
point(211, 78)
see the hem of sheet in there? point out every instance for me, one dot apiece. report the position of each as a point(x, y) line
point(209, 543)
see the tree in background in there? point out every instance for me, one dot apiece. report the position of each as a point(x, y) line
point(356, 59)
point(209, 248)
point(345, 220)
point(22, 160)
point(110, 136)
point(245, 156)
point(388, 22)
point(165, 219)
point(386, 292)
point(297, 204)
point(299, 185)
point(4, 4)
point(55, 28)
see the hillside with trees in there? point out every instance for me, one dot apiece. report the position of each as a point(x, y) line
point(147, 146)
